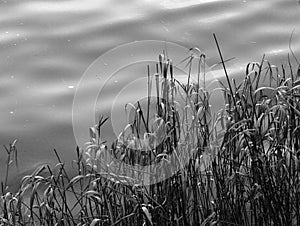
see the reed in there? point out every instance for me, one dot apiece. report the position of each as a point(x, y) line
point(238, 166)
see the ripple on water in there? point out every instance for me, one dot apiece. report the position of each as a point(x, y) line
point(47, 45)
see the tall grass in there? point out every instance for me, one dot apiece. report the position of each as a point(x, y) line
point(238, 166)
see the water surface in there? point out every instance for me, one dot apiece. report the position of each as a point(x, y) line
point(45, 47)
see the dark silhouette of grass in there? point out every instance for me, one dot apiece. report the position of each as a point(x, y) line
point(238, 166)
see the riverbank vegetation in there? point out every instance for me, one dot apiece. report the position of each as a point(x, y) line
point(192, 166)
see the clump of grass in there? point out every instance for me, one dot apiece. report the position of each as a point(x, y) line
point(256, 170)
point(238, 166)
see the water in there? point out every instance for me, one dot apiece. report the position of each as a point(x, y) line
point(45, 47)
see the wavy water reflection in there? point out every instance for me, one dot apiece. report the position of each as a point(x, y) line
point(45, 47)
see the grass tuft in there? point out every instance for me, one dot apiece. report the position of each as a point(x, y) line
point(238, 166)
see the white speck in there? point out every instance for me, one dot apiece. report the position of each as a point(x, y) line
point(116, 81)
point(276, 51)
point(105, 64)
point(6, 32)
point(18, 35)
point(11, 112)
point(70, 87)
point(12, 77)
point(68, 40)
